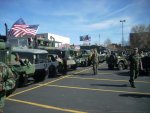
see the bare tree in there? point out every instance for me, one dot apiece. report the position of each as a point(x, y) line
point(140, 36)
point(107, 42)
point(148, 28)
point(138, 29)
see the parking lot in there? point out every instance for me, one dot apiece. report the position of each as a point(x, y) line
point(82, 92)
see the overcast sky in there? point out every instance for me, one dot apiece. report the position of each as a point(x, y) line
point(74, 18)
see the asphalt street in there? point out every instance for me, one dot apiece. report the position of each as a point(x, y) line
point(82, 92)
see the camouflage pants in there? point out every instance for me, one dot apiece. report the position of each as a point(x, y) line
point(95, 66)
point(2, 101)
point(134, 73)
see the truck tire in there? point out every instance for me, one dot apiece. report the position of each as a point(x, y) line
point(39, 75)
point(60, 67)
point(52, 71)
point(74, 67)
point(110, 66)
point(22, 81)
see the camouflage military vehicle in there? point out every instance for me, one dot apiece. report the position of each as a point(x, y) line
point(71, 62)
point(42, 45)
point(118, 60)
point(102, 51)
point(21, 72)
point(55, 64)
point(84, 59)
point(146, 64)
point(37, 59)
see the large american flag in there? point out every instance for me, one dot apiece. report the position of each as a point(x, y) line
point(20, 29)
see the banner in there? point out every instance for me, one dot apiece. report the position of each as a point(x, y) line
point(85, 38)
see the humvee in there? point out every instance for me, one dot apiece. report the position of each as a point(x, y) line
point(71, 62)
point(21, 72)
point(146, 64)
point(117, 60)
point(84, 59)
point(41, 44)
point(55, 64)
point(37, 58)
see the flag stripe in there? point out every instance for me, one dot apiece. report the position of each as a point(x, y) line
point(20, 29)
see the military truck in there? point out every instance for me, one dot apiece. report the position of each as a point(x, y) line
point(146, 64)
point(37, 58)
point(21, 72)
point(102, 51)
point(118, 60)
point(71, 62)
point(56, 65)
point(53, 65)
point(84, 59)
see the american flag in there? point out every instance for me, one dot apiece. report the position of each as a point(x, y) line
point(20, 29)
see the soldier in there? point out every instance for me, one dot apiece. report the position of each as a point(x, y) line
point(135, 62)
point(64, 58)
point(7, 83)
point(94, 59)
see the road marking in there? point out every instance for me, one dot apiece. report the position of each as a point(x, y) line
point(102, 90)
point(12, 95)
point(86, 69)
point(146, 82)
point(38, 86)
point(46, 106)
point(105, 73)
point(82, 70)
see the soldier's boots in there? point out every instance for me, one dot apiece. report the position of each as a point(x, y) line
point(132, 84)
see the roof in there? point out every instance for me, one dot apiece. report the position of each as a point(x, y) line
point(26, 50)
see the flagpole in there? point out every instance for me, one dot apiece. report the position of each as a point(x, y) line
point(99, 39)
point(6, 30)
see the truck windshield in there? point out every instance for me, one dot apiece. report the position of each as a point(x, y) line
point(18, 42)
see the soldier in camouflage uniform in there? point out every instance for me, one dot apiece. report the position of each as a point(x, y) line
point(64, 58)
point(94, 59)
point(7, 82)
point(135, 63)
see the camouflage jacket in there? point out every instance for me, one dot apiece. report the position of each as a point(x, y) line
point(94, 58)
point(134, 61)
point(7, 79)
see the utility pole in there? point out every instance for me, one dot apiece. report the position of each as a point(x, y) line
point(122, 32)
point(99, 39)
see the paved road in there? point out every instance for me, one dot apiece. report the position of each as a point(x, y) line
point(81, 91)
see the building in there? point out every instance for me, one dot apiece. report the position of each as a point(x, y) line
point(61, 40)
